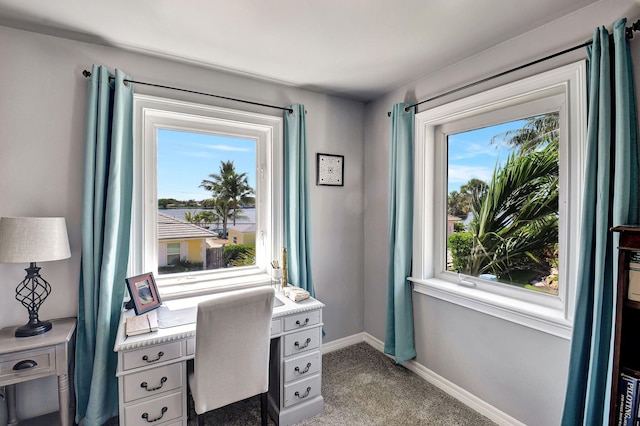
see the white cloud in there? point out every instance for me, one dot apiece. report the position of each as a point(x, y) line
point(228, 148)
point(471, 150)
point(462, 174)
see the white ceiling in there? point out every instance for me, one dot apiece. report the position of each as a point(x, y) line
point(359, 49)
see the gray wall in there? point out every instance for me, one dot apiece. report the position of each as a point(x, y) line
point(518, 370)
point(42, 112)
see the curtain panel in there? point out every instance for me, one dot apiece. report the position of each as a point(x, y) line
point(106, 222)
point(297, 211)
point(612, 156)
point(399, 339)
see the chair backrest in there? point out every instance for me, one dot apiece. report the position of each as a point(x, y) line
point(232, 347)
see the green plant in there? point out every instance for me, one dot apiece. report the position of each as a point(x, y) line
point(460, 245)
point(184, 265)
point(237, 252)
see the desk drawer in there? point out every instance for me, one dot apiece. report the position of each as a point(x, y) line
point(301, 391)
point(33, 362)
point(301, 341)
point(158, 410)
point(306, 319)
point(302, 366)
point(152, 382)
point(151, 355)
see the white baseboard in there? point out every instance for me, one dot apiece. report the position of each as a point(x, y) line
point(440, 382)
point(334, 345)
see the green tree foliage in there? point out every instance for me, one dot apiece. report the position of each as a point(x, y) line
point(515, 225)
point(460, 245)
point(230, 191)
point(459, 203)
point(164, 202)
point(239, 253)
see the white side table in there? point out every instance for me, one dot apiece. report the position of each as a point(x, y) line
point(29, 358)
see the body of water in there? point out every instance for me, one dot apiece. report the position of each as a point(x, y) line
point(248, 213)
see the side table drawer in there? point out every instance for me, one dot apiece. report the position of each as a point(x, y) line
point(159, 410)
point(301, 391)
point(302, 366)
point(152, 382)
point(301, 341)
point(152, 354)
point(28, 363)
point(306, 319)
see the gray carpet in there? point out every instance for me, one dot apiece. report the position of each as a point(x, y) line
point(361, 386)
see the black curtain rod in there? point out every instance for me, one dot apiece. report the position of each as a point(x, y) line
point(628, 33)
point(87, 74)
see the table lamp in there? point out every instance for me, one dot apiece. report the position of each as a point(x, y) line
point(31, 240)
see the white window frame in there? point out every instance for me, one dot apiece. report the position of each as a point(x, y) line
point(563, 90)
point(153, 113)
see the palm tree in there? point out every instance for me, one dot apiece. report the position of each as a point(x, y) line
point(231, 190)
point(515, 223)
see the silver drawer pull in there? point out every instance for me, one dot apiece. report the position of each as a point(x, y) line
point(299, 324)
point(306, 370)
point(25, 365)
point(146, 416)
point(144, 385)
point(306, 394)
point(146, 357)
point(306, 343)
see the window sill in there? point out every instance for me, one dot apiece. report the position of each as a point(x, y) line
point(547, 320)
point(189, 285)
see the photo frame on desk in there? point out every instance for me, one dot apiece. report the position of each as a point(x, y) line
point(144, 293)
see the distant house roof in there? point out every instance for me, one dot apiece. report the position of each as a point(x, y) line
point(452, 218)
point(170, 228)
point(244, 228)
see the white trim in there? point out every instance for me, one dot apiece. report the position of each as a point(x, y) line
point(467, 398)
point(563, 90)
point(152, 113)
point(345, 342)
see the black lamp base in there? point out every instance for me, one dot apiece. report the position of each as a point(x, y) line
point(34, 329)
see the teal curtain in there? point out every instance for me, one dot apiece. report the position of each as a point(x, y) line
point(399, 340)
point(106, 222)
point(297, 212)
point(612, 156)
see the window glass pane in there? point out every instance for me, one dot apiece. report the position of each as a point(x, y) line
point(503, 194)
point(206, 191)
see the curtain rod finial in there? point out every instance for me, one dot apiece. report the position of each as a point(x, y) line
point(86, 73)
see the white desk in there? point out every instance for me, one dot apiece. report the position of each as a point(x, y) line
point(152, 367)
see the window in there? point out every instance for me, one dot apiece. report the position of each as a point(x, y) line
point(173, 254)
point(199, 170)
point(498, 178)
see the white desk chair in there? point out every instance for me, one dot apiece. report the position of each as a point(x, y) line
point(232, 350)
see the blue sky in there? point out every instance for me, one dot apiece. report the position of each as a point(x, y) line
point(185, 159)
point(472, 156)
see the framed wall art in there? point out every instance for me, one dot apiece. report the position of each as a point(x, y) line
point(330, 169)
point(143, 292)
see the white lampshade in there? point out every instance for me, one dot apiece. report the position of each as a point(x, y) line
point(33, 239)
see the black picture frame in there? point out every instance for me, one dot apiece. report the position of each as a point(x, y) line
point(329, 169)
point(144, 292)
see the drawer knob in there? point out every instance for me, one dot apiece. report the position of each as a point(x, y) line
point(25, 365)
point(306, 394)
point(146, 357)
point(144, 385)
point(305, 370)
point(306, 343)
point(299, 324)
point(146, 416)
